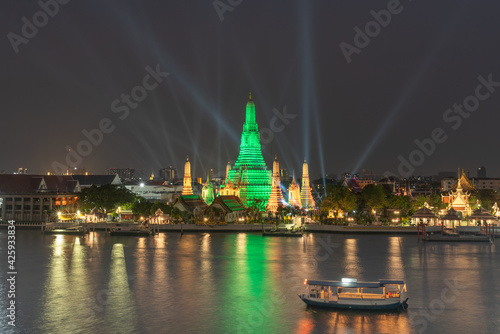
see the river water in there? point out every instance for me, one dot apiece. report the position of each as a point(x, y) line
point(242, 283)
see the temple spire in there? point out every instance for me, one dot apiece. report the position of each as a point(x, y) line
point(249, 173)
point(294, 192)
point(276, 197)
point(187, 188)
point(305, 192)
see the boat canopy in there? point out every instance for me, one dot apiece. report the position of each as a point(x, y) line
point(378, 284)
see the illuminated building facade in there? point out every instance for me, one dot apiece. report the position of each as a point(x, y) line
point(458, 199)
point(305, 194)
point(294, 193)
point(276, 198)
point(250, 172)
point(187, 188)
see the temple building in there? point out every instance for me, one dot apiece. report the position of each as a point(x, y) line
point(426, 216)
point(250, 174)
point(276, 198)
point(229, 188)
point(481, 217)
point(187, 188)
point(458, 199)
point(207, 193)
point(305, 194)
point(294, 193)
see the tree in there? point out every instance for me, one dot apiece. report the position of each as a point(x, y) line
point(339, 197)
point(486, 197)
point(373, 197)
point(142, 206)
point(105, 198)
point(401, 203)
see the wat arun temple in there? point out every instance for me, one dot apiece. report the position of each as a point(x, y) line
point(249, 179)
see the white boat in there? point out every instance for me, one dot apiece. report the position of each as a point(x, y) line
point(349, 294)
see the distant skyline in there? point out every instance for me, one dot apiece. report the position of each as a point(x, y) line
point(347, 86)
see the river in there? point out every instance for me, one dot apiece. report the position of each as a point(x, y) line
point(242, 283)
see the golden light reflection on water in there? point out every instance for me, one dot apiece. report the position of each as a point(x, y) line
point(394, 264)
point(351, 263)
point(348, 321)
point(206, 260)
point(120, 308)
point(141, 267)
point(66, 288)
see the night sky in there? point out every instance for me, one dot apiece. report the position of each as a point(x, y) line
point(342, 117)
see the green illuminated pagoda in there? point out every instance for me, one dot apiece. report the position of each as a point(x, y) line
point(250, 173)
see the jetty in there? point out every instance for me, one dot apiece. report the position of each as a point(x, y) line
point(458, 233)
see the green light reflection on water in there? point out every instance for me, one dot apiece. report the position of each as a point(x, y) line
point(249, 284)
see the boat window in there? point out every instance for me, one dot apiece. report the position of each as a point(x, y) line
point(373, 290)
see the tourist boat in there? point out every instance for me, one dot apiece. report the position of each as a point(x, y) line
point(349, 294)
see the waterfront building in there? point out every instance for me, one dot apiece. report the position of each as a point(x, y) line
point(294, 193)
point(187, 189)
point(426, 216)
point(207, 193)
point(451, 219)
point(276, 197)
point(249, 173)
point(306, 198)
point(231, 207)
point(481, 217)
point(191, 203)
point(37, 198)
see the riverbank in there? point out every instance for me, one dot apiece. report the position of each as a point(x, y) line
point(194, 228)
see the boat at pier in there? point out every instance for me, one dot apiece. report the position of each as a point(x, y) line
point(49, 228)
point(350, 294)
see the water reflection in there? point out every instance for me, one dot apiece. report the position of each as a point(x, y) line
point(351, 263)
point(120, 309)
point(231, 283)
point(66, 288)
point(394, 264)
point(350, 321)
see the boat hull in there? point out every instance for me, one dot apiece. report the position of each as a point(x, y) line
point(358, 305)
